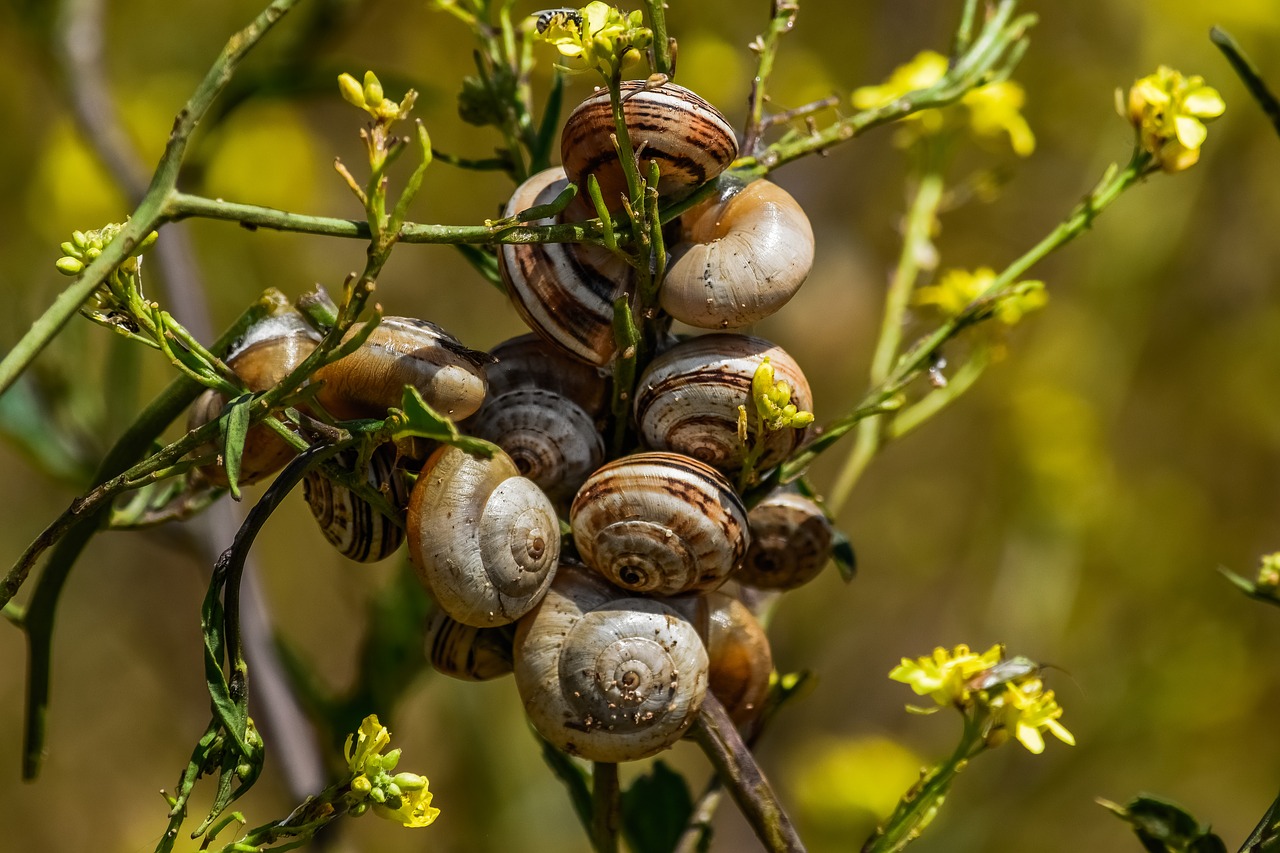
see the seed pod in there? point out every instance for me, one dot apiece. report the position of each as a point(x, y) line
point(791, 541)
point(466, 652)
point(348, 521)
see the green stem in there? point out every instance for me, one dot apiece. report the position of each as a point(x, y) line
point(626, 153)
point(663, 61)
point(938, 399)
point(964, 32)
point(150, 211)
point(782, 19)
point(1248, 74)
point(916, 243)
point(606, 807)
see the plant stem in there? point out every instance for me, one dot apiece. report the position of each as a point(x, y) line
point(782, 19)
point(916, 244)
point(737, 769)
point(606, 807)
point(1248, 74)
point(663, 61)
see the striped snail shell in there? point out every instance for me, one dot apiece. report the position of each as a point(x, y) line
point(688, 398)
point(269, 351)
point(791, 540)
point(350, 523)
point(659, 523)
point(739, 659)
point(403, 351)
point(466, 652)
point(688, 138)
point(542, 409)
point(483, 539)
point(608, 678)
point(739, 258)
point(563, 291)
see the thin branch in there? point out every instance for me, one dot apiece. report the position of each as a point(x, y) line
point(1248, 73)
point(606, 807)
point(781, 19)
point(664, 61)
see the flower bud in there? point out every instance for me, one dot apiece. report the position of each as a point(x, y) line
point(351, 90)
point(69, 266)
point(372, 89)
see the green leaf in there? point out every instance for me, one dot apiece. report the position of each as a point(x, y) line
point(234, 424)
point(573, 776)
point(416, 418)
point(655, 810)
point(484, 262)
point(842, 552)
point(1163, 826)
point(548, 130)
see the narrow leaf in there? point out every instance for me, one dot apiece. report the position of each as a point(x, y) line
point(234, 424)
point(655, 810)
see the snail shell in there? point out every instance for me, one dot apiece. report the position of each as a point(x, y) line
point(688, 398)
point(659, 523)
point(791, 540)
point(739, 659)
point(403, 351)
point(484, 540)
point(689, 139)
point(563, 291)
point(466, 652)
point(268, 352)
point(739, 259)
point(348, 521)
point(527, 361)
point(607, 678)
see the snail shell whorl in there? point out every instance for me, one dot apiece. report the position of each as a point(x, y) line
point(563, 291)
point(466, 652)
point(483, 539)
point(791, 540)
point(688, 398)
point(688, 138)
point(659, 523)
point(527, 361)
point(604, 678)
point(739, 259)
point(403, 351)
point(348, 521)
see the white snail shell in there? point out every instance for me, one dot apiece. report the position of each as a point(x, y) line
point(739, 259)
point(485, 540)
point(349, 522)
point(659, 523)
point(403, 351)
point(563, 291)
point(689, 139)
point(687, 400)
point(466, 652)
point(791, 541)
point(607, 678)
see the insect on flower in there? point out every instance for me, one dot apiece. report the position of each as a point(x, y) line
point(1006, 671)
point(561, 16)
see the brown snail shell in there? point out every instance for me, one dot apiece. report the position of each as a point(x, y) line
point(484, 540)
point(268, 352)
point(687, 400)
point(739, 659)
point(687, 137)
point(791, 541)
point(563, 291)
point(466, 652)
point(739, 259)
point(659, 523)
point(403, 351)
point(349, 522)
point(527, 361)
point(608, 678)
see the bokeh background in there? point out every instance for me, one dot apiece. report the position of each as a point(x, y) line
point(1076, 505)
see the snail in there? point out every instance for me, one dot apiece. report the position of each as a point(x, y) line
point(608, 678)
point(739, 660)
point(687, 400)
point(350, 523)
point(563, 291)
point(791, 541)
point(687, 137)
point(738, 259)
point(659, 523)
point(269, 351)
point(484, 540)
point(542, 409)
point(403, 351)
point(466, 652)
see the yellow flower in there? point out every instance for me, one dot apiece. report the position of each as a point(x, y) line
point(370, 97)
point(1168, 111)
point(598, 37)
point(403, 797)
point(945, 675)
point(773, 401)
point(1025, 708)
point(992, 109)
point(957, 289)
point(414, 810)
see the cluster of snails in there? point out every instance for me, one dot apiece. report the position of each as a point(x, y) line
point(615, 635)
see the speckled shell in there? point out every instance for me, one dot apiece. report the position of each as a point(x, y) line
point(484, 540)
point(563, 291)
point(348, 521)
point(466, 652)
point(791, 541)
point(659, 523)
point(739, 259)
point(687, 399)
point(608, 678)
point(688, 138)
point(403, 351)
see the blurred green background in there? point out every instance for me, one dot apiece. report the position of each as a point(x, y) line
point(1075, 505)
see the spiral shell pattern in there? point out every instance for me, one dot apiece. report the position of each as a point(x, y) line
point(659, 523)
point(349, 522)
point(484, 540)
point(791, 540)
point(604, 678)
point(466, 652)
point(688, 398)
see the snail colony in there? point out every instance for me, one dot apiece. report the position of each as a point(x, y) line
point(614, 645)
